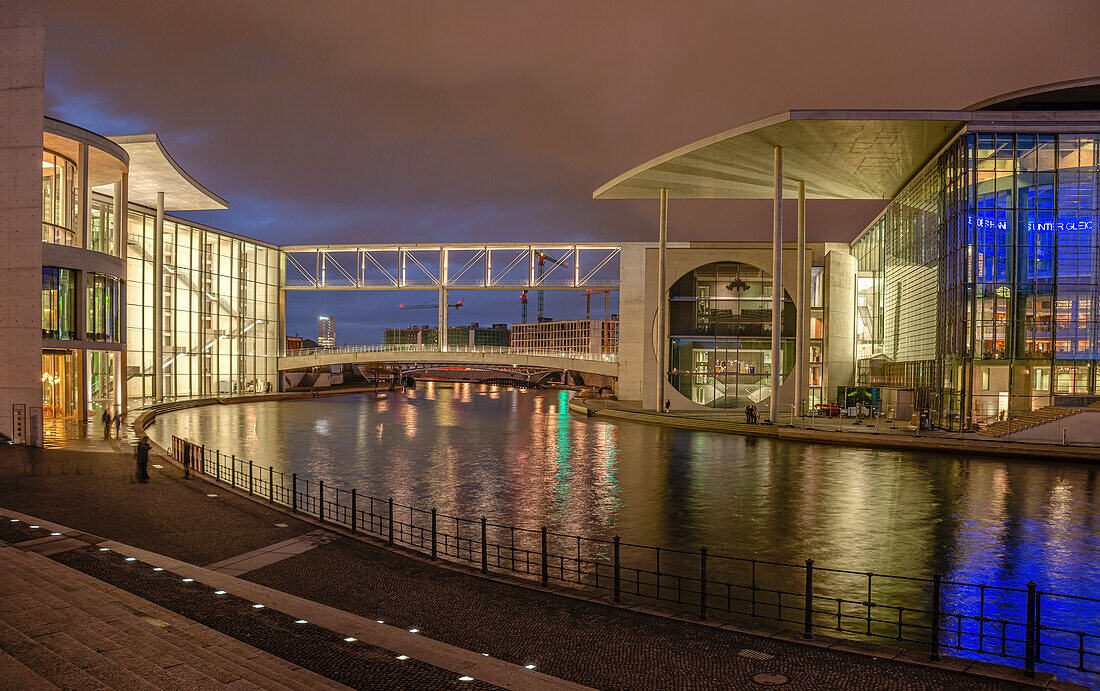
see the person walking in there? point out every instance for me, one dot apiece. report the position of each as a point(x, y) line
point(106, 424)
point(118, 425)
point(142, 454)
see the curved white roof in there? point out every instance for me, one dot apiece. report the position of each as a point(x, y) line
point(153, 170)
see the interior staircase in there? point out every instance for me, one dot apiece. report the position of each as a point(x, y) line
point(1030, 419)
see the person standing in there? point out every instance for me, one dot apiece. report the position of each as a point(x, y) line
point(106, 424)
point(143, 459)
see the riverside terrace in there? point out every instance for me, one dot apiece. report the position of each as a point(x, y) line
point(560, 633)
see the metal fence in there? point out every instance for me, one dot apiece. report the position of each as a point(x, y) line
point(1024, 627)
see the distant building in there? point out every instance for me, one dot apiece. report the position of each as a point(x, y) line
point(472, 335)
point(298, 343)
point(593, 336)
point(326, 331)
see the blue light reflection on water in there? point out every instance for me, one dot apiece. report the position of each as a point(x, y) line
point(520, 458)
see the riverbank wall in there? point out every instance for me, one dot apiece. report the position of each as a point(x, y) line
point(843, 435)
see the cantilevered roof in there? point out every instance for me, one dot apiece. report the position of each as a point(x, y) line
point(153, 170)
point(839, 154)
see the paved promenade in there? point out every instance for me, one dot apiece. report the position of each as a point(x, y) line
point(176, 523)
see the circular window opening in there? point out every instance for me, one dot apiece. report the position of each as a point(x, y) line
point(720, 331)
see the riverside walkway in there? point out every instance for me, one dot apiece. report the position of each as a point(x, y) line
point(180, 525)
point(846, 432)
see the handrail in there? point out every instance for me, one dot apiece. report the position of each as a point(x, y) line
point(418, 348)
point(1021, 625)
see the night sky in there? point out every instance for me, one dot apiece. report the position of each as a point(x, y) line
point(477, 121)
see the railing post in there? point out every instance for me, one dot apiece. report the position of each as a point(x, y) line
point(484, 548)
point(616, 568)
point(218, 463)
point(1029, 638)
point(294, 493)
point(937, 586)
point(202, 460)
point(808, 617)
point(391, 521)
point(271, 484)
point(233, 470)
point(545, 560)
point(353, 497)
point(250, 477)
point(702, 582)
point(433, 534)
point(321, 501)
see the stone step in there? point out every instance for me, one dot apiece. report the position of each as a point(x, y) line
point(69, 629)
point(16, 675)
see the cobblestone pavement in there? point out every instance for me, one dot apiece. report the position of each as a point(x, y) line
point(584, 642)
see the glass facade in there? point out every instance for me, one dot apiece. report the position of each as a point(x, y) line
point(720, 327)
point(58, 303)
point(101, 227)
point(977, 285)
point(59, 200)
point(219, 309)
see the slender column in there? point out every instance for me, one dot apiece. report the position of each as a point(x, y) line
point(443, 299)
point(85, 198)
point(443, 319)
point(662, 326)
point(158, 301)
point(803, 304)
point(777, 284)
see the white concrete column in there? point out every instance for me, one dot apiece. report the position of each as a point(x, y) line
point(803, 304)
point(443, 319)
point(777, 284)
point(662, 326)
point(158, 301)
point(83, 213)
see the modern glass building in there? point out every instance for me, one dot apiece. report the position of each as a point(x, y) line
point(973, 296)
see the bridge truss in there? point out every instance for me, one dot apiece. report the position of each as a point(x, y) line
point(499, 266)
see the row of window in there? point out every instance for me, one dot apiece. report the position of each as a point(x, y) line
point(59, 306)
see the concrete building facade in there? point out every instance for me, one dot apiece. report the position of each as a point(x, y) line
point(591, 336)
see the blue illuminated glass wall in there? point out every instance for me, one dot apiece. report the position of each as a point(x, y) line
point(983, 278)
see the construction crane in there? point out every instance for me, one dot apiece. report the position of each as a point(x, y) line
point(523, 301)
point(543, 256)
point(606, 303)
point(431, 305)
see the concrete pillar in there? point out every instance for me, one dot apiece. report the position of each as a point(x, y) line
point(803, 311)
point(280, 328)
point(22, 88)
point(158, 301)
point(662, 301)
point(777, 284)
point(443, 319)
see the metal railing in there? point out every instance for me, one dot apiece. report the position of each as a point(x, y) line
point(1021, 626)
point(417, 348)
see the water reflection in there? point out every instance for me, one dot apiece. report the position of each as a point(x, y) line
point(520, 458)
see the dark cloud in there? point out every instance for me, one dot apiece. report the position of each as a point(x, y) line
point(385, 121)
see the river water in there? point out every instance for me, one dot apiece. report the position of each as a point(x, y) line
point(519, 458)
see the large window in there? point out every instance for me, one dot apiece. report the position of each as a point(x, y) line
point(60, 378)
point(59, 200)
point(217, 328)
point(101, 227)
point(58, 303)
point(103, 309)
point(720, 326)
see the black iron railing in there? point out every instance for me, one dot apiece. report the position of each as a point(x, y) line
point(1024, 627)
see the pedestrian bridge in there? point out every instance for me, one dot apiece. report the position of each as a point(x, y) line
point(493, 356)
